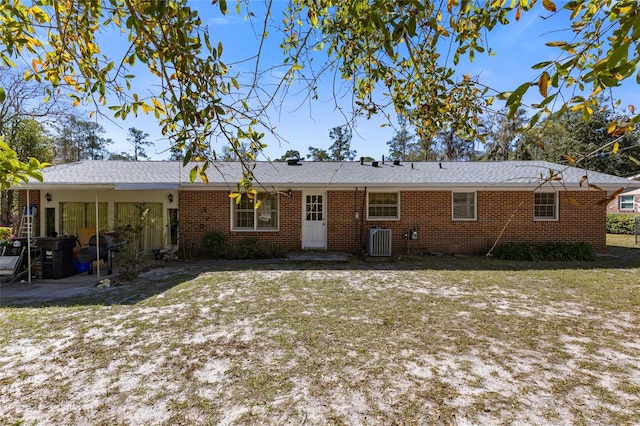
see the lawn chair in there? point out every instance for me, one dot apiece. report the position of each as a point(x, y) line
point(84, 236)
point(12, 262)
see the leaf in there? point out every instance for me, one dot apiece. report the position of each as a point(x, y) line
point(616, 147)
point(223, 7)
point(631, 109)
point(635, 160)
point(594, 186)
point(234, 195)
point(3, 95)
point(576, 11)
point(518, 13)
point(157, 104)
point(543, 84)
point(549, 5)
point(609, 199)
point(620, 130)
point(258, 204)
point(541, 65)
point(203, 176)
point(570, 159)
point(556, 43)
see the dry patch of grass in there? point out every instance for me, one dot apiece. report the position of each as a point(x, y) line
point(434, 341)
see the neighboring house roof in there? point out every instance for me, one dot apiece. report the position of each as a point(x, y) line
point(125, 175)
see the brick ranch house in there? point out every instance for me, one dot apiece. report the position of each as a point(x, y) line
point(358, 207)
point(627, 201)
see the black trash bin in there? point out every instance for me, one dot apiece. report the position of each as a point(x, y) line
point(57, 257)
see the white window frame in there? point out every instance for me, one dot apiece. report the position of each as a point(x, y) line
point(474, 205)
point(536, 204)
point(621, 202)
point(237, 208)
point(370, 205)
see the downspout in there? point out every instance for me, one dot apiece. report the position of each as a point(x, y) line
point(356, 215)
point(364, 200)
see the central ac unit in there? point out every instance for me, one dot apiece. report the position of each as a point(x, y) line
point(379, 242)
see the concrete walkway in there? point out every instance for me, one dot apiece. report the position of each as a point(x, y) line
point(40, 289)
point(313, 256)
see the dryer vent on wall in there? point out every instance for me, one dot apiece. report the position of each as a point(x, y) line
point(379, 242)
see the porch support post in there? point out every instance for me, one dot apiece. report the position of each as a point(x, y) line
point(97, 239)
point(29, 218)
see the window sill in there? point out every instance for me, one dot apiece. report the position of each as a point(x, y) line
point(255, 230)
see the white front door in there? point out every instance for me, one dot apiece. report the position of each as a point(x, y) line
point(314, 224)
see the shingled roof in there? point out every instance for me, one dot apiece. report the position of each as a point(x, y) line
point(172, 175)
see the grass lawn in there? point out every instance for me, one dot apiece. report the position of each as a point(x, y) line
point(437, 340)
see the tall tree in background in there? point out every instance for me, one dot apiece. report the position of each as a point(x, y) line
point(28, 139)
point(318, 154)
point(340, 149)
point(22, 112)
point(451, 147)
point(571, 140)
point(96, 145)
point(138, 139)
point(291, 153)
point(402, 146)
point(502, 134)
point(79, 140)
point(176, 153)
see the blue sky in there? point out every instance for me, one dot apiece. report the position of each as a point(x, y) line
point(307, 123)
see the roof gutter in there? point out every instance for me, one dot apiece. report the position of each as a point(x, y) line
point(45, 186)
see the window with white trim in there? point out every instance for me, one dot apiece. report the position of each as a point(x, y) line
point(545, 205)
point(246, 217)
point(625, 202)
point(463, 206)
point(383, 206)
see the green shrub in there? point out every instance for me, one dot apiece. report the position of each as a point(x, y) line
point(621, 223)
point(5, 232)
point(255, 248)
point(547, 251)
point(516, 251)
point(215, 245)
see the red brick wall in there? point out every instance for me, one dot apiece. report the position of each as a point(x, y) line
point(581, 219)
point(34, 200)
point(202, 212)
point(429, 212)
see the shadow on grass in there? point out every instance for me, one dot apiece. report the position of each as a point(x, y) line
point(81, 290)
point(174, 274)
